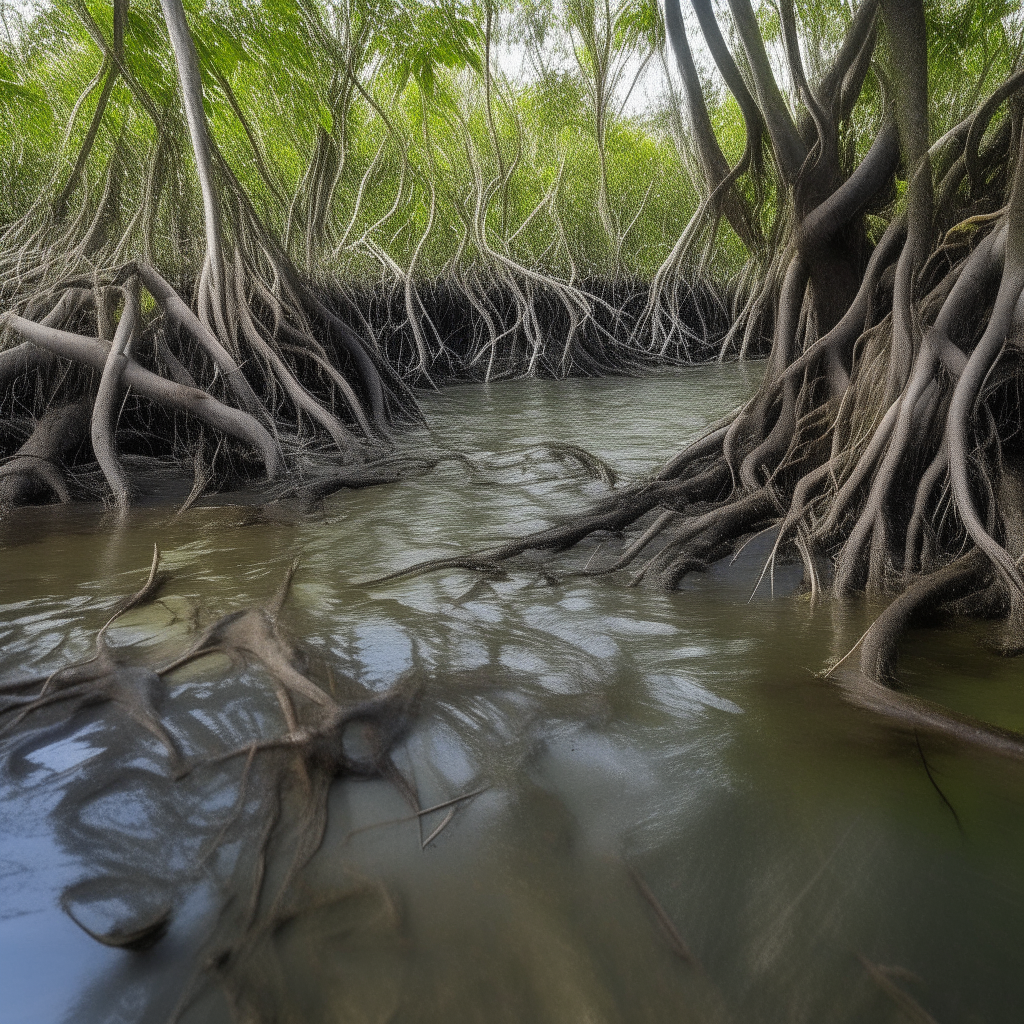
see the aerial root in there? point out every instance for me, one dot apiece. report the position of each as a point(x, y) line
point(879, 645)
point(261, 333)
point(94, 352)
point(147, 593)
point(275, 327)
point(202, 476)
point(102, 423)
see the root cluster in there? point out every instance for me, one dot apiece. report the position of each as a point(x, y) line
point(884, 447)
point(322, 740)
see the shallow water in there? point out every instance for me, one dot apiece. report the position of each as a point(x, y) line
point(680, 821)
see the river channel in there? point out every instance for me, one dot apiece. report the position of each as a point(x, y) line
point(675, 818)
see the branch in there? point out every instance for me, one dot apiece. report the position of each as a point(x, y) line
point(790, 149)
point(120, 63)
point(714, 164)
point(60, 203)
point(850, 55)
point(731, 74)
point(826, 129)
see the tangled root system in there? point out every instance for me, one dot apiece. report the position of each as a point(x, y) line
point(285, 780)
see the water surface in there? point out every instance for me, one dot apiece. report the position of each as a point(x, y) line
point(680, 820)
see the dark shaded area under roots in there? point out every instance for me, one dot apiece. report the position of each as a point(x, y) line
point(44, 412)
point(604, 338)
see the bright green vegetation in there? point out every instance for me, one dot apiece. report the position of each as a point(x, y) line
point(373, 143)
point(377, 142)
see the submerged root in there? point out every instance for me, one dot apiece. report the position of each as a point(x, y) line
point(255, 633)
point(885, 978)
point(675, 941)
point(354, 742)
point(324, 741)
point(592, 465)
point(915, 715)
point(104, 678)
point(321, 484)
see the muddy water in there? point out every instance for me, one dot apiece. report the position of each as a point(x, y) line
point(678, 821)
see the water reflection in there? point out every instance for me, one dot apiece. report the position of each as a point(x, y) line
point(678, 820)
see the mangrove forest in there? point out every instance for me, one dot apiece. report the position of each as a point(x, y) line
point(511, 511)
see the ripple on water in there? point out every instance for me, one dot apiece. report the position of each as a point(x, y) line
point(624, 734)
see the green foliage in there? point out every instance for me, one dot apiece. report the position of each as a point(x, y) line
point(381, 108)
point(971, 48)
point(348, 121)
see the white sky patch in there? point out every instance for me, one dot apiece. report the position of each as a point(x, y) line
point(67, 753)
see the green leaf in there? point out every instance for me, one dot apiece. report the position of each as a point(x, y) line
point(11, 90)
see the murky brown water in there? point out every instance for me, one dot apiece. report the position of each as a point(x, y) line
point(680, 740)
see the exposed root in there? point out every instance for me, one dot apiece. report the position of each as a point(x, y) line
point(885, 439)
point(323, 483)
point(35, 464)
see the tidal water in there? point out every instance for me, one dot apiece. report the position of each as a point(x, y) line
point(675, 819)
